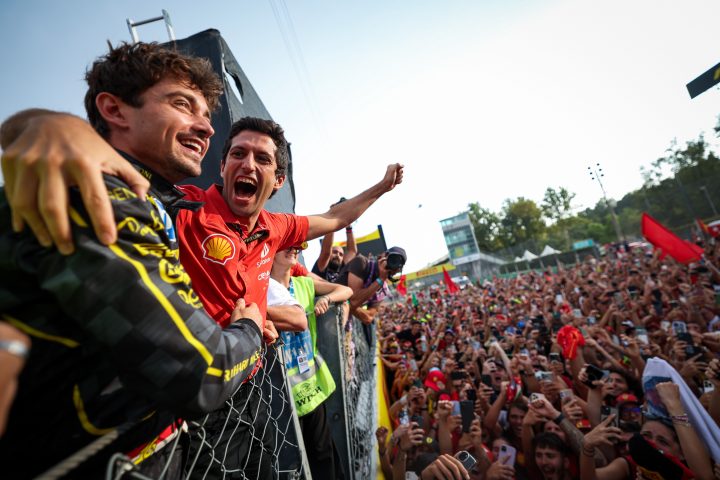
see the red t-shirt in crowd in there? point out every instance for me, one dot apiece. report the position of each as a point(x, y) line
point(224, 260)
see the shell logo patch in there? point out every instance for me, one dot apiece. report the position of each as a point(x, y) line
point(218, 248)
point(265, 251)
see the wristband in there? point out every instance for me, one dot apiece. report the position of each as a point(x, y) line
point(380, 282)
point(348, 228)
point(558, 420)
point(680, 420)
point(15, 347)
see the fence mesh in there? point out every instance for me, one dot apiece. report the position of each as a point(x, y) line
point(256, 435)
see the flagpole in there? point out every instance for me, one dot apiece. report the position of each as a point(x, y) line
point(595, 176)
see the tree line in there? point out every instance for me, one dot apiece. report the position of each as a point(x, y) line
point(677, 188)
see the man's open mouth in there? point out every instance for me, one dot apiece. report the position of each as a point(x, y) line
point(193, 144)
point(245, 188)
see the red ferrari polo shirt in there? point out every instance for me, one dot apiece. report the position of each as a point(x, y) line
point(224, 260)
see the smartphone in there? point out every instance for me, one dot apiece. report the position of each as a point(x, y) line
point(418, 419)
point(471, 394)
point(467, 460)
point(708, 386)
point(558, 298)
point(594, 373)
point(536, 396)
point(605, 412)
point(566, 396)
point(487, 380)
point(679, 327)
point(555, 357)
point(455, 408)
point(542, 376)
point(665, 325)
point(577, 313)
point(467, 411)
point(507, 455)
point(641, 335)
point(592, 320)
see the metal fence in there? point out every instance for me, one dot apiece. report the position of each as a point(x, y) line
point(348, 348)
point(257, 434)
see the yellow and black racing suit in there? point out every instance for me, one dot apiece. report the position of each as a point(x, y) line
point(119, 337)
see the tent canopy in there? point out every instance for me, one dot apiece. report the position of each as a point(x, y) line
point(548, 250)
point(528, 255)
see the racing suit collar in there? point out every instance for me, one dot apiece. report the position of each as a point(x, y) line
point(166, 192)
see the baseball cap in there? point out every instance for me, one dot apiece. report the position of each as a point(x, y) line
point(433, 377)
point(626, 398)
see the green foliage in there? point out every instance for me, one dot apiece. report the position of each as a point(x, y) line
point(556, 203)
point(521, 221)
point(678, 188)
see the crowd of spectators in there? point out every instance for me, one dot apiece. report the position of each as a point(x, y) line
point(604, 370)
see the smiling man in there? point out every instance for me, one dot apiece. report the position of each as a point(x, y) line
point(119, 338)
point(227, 239)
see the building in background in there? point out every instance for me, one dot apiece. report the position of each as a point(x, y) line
point(463, 249)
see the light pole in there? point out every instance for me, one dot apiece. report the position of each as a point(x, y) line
point(707, 195)
point(596, 173)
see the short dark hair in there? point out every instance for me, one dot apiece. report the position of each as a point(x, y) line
point(266, 127)
point(549, 440)
point(127, 71)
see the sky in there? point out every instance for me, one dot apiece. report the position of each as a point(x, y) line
point(480, 100)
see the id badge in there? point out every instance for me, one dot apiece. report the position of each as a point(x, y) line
point(302, 362)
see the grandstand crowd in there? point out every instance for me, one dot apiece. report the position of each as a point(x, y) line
point(604, 370)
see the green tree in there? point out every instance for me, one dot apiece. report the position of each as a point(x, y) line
point(521, 221)
point(486, 224)
point(556, 203)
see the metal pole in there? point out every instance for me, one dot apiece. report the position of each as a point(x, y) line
point(707, 195)
point(165, 17)
point(595, 174)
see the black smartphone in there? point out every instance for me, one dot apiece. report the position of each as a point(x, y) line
point(467, 411)
point(606, 411)
point(487, 380)
point(417, 419)
point(471, 394)
point(594, 373)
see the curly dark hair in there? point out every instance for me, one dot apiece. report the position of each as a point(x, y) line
point(127, 71)
point(267, 127)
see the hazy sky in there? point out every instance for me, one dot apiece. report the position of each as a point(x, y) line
point(481, 100)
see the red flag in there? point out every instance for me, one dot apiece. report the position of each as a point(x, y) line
point(451, 287)
point(713, 229)
point(669, 243)
point(401, 287)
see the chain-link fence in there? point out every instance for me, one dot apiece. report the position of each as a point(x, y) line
point(257, 434)
point(254, 436)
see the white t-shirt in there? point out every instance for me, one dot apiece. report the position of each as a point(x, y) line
point(278, 295)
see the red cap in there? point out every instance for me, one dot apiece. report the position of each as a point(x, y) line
point(626, 398)
point(432, 379)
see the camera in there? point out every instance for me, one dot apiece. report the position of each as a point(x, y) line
point(395, 263)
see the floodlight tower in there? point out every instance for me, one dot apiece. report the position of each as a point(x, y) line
point(596, 173)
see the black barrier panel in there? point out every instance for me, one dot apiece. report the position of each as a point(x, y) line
point(329, 343)
point(210, 44)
